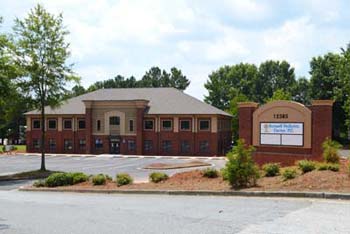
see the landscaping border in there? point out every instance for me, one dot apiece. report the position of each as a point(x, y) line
point(288, 194)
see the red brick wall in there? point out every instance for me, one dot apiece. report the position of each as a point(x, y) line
point(218, 142)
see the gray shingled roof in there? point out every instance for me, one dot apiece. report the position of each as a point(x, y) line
point(161, 101)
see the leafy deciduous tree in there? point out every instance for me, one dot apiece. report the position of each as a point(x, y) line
point(42, 52)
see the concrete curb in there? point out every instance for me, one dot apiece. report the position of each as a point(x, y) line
point(126, 156)
point(291, 194)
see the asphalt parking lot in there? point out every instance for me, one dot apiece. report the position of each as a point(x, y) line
point(95, 165)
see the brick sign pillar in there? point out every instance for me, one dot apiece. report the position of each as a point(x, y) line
point(139, 128)
point(322, 112)
point(245, 116)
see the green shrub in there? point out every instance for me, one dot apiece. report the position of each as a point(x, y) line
point(39, 183)
point(79, 177)
point(289, 174)
point(330, 151)
point(123, 179)
point(306, 166)
point(210, 173)
point(59, 179)
point(224, 174)
point(240, 167)
point(333, 167)
point(271, 169)
point(156, 177)
point(99, 179)
point(322, 167)
point(328, 166)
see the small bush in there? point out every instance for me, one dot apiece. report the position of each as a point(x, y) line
point(79, 177)
point(39, 183)
point(289, 174)
point(330, 151)
point(241, 169)
point(157, 177)
point(306, 166)
point(224, 174)
point(210, 173)
point(333, 167)
point(123, 179)
point(322, 167)
point(328, 166)
point(271, 169)
point(99, 179)
point(59, 179)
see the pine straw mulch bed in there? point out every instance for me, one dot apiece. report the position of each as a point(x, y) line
point(320, 181)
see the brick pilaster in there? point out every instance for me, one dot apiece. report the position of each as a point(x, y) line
point(139, 128)
point(245, 116)
point(88, 129)
point(322, 113)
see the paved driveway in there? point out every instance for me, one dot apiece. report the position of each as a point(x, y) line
point(36, 212)
point(94, 165)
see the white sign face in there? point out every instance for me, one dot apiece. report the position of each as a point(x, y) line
point(281, 128)
point(284, 134)
point(292, 140)
point(270, 139)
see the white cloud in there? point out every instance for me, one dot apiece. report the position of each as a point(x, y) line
point(127, 37)
point(248, 9)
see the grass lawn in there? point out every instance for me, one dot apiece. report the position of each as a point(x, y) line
point(27, 175)
point(20, 148)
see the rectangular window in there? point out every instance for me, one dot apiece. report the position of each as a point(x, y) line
point(204, 125)
point(185, 147)
point(98, 127)
point(185, 125)
point(204, 146)
point(131, 125)
point(67, 124)
point(131, 145)
point(68, 144)
point(36, 124)
point(148, 145)
point(82, 144)
point(167, 125)
point(166, 146)
point(98, 144)
point(36, 143)
point(81, 123)
point(114, 120)
point(52, 144)
point(52, 124)
point(148, 124)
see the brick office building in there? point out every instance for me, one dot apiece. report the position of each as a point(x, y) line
point(141, 121)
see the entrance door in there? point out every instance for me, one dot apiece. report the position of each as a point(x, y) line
point(115, 147)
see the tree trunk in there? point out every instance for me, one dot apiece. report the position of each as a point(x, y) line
point(42, 168)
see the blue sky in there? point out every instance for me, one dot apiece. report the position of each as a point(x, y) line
point(128, 37)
